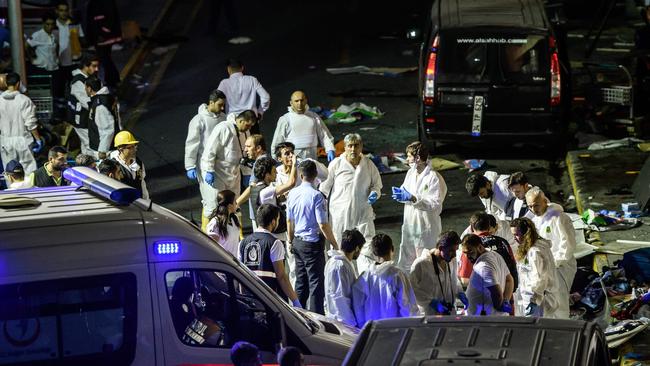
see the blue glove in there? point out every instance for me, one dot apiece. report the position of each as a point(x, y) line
point(191, 174)
point(373, 197)
point(296, 303)
point(331, 155)
point(505, 307)
point(39, 146)
point(531, 309)
point(439, 307)
point(209, 177)
point(401, 194)
point(463, 298)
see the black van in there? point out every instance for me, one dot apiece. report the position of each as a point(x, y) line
point(479, 340)
point(492, 70)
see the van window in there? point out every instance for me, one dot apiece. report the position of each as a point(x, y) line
point(72, 321)
point(480, 58)
point(213, 309)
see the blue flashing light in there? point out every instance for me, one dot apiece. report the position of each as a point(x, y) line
point(167, 247)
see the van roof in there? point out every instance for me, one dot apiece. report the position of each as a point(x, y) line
point(65, 205)
point(476, 13)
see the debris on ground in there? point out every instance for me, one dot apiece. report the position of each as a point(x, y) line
point(605, 220)
point(473, 164)
point(610, 144)
point(355, 112)
point(381, 71)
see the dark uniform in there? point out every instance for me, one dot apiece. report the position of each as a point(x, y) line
point(255, 253)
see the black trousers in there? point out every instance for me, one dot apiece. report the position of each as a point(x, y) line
point(310, 273)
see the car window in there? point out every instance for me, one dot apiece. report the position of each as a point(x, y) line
point(462, 60)
point(523, 59)
point(71, 321)
point(213, 309)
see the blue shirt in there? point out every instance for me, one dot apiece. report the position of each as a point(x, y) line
point(306, 208)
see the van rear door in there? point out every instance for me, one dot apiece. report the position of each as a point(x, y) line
point(492, 82)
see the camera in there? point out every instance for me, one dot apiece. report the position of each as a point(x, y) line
point(246, 161)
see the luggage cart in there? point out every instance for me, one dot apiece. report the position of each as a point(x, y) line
point(40, 92)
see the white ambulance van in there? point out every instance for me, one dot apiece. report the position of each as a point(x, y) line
point(92, 275)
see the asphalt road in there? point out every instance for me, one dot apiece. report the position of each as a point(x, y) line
point(293, 45)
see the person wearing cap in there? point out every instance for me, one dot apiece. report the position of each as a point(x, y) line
point(126, 148)
point(15, 176)
point(18, 124)
point(51, 173)
point(434, 277)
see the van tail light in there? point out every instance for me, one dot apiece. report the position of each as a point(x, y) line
point(430, 77)
point(556, 85)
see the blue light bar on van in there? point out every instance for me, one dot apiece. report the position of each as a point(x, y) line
point(106, 187)
point(167, 247)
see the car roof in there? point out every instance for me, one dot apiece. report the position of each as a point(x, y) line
point(63, 205)
point(492, 340)
point(528, 14)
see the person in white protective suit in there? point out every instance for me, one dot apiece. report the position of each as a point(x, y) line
point(538, 288)
point(198, 131)
point(304, 129)
point(555, 226)
point(224, 150)
point(383, 291)
point(492, 189)
point(339, 277)
point(422, 193)
point(352, 187)
point(434, 277)
point(18, 126)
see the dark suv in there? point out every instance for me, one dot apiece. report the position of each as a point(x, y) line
point(490, 70)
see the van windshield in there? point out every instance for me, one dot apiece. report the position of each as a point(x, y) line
point(468, 58)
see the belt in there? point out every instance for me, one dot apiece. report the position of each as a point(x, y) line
point(265, 274)
point(302, 238)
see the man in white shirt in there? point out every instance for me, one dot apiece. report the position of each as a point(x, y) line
point(490, 285)
point(492, 189)
point(516, 206)
point(555, 226)
point(242, 91)
point(68, 32)
point(304, 129)
point(44, 43)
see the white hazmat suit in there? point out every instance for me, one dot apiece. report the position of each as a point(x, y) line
point(347, 189)
point(556, 227)
point(304, 130)
point(17, 119)
point(537, 281)
point(422, 225)
point(339, 278)
point(222, 153)
point(383, 291)
point(198, 132)
point(427, 285)
point(496, 205)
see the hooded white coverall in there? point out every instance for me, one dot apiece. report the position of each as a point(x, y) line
point(427, 285)
point(496, 205)
point(422, 225)
point(304, 131)
point(17, 119)
point(198, 132)
point(347, 189)
point(537, 281)
point(222, 153)
point(339, 278)
point(105, 125)
point(556, 227)
point(383, 291)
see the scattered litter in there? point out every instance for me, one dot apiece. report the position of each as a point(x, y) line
point(381, 71)
point(473, 164)
point(159, 51)
point(644, 146)
point(610, 144)
point(440, 164)
point(355, 112)
point(368, 128)
point(608, 220)
point(623, 331)
point(322, 112)
point(583, 250)
point(240, 40)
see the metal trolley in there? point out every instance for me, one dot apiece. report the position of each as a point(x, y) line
point(40, 92)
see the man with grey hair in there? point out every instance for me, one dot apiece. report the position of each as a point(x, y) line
point(555, 226)
point(304, 129)
point(352, 187)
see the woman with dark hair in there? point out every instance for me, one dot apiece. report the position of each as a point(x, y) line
point(538, 289)
point(224, 227)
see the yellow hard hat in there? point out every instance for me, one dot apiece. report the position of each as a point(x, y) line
point(125, 138)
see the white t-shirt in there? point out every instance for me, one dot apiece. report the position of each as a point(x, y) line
point(45, 48)
point(489, 270)
point(231, 242)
